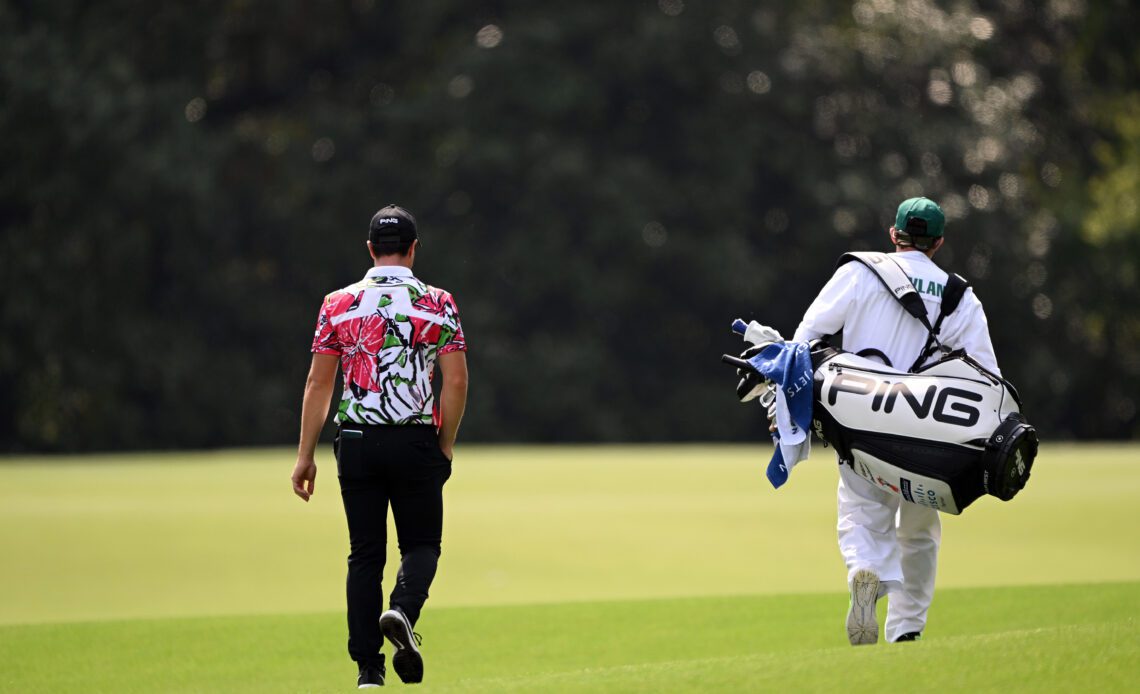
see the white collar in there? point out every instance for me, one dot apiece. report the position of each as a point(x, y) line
point(389, 271)
point(916, 255)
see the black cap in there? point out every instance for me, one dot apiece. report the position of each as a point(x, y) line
point(392, 224)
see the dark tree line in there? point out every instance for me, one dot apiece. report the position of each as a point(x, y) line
point(603, 186)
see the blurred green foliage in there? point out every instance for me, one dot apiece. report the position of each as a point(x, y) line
point(603, 186)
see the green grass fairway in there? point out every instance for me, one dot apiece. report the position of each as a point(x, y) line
point(1045, 638)
point(615, 568)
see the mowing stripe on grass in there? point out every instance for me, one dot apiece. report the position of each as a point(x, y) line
point(1028, 661)
point(221, 533)
point(1038, 638)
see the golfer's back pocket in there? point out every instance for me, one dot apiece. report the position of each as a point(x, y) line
point(349, 449)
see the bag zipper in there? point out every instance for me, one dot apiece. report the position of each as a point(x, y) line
point(838, 368)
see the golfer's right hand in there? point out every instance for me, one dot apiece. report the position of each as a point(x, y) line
point(304, 478)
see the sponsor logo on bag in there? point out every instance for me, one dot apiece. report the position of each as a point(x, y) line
point(904, 483)
point(885, 484)
point(948, 405)
point(926, 497)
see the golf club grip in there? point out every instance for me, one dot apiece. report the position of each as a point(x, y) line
point(737, 362)
point(739, 326)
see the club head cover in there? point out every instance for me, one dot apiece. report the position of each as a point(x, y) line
point(761, 335)
point(752, 385)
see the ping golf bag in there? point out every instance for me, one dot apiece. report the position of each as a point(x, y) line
point(940, 437)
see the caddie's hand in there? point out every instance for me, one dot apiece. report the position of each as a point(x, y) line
point(304, 478)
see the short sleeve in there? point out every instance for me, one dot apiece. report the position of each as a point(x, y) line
point(451, 337)
point(325, 339)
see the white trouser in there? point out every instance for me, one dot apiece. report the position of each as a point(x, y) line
point(898, 541)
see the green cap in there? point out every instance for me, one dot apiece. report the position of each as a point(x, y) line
point(920, 217)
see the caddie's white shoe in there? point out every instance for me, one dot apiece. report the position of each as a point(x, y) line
point(862, 623)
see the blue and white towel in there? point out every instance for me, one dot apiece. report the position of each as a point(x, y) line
point(788, 365)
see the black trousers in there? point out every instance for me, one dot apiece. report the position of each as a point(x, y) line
point(402, 466)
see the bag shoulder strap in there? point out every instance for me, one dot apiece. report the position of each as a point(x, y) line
point(893, 279)
point(952, 294)
point(896, 281)
point(956, 286)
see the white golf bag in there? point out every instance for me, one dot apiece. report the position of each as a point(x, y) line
point(940, 437)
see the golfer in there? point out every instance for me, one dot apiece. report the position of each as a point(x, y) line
point(394, 442)
point(891, 547)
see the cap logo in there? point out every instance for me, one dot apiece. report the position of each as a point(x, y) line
point(388, 220)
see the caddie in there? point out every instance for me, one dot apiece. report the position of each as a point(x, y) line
point(394, 442)
point(892, 547)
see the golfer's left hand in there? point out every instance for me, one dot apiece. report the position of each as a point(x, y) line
point(305, 478)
